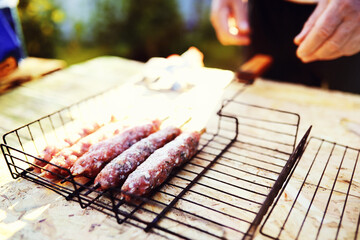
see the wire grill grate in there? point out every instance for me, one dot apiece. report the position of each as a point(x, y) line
point(217, 194)
point(321, 199)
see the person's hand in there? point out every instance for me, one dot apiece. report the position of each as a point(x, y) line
point(332, 31)
point(230, 21)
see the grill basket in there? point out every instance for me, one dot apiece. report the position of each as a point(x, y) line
point(223, 192)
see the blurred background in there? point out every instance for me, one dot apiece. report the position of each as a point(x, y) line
point(77, 30)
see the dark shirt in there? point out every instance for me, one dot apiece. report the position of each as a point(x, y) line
point(274, 25)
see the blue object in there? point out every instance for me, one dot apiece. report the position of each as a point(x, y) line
point(10, 44)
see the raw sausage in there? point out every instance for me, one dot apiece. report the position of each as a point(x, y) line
point(66, 158)
point(158, 166)
point(91, 163)
point(51, 150)
point(115, 173)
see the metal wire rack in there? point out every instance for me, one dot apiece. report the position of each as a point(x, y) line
point(223, 192)
point(321, 199)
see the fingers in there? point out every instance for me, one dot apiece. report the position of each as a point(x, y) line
point(221, 24)
point(229, 19)
point(353, 45)
point(240, 13)
point(225, 32)
point(344, 42)
point(310, 22)
point(322, 30)
point(216, 16)
point(334, 46)
point(335, 32)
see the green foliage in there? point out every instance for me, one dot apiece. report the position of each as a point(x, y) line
point(140, 29)
point(135, 29)
point(39, 19)
point(154, 29)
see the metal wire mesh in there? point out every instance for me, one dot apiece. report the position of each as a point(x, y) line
point(321, 199)
point(217, 194)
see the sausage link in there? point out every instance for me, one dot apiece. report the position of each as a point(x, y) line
point(91, 163)
point(158, 166)
point(115, 173)
point(51, 150)
point(68, 156)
